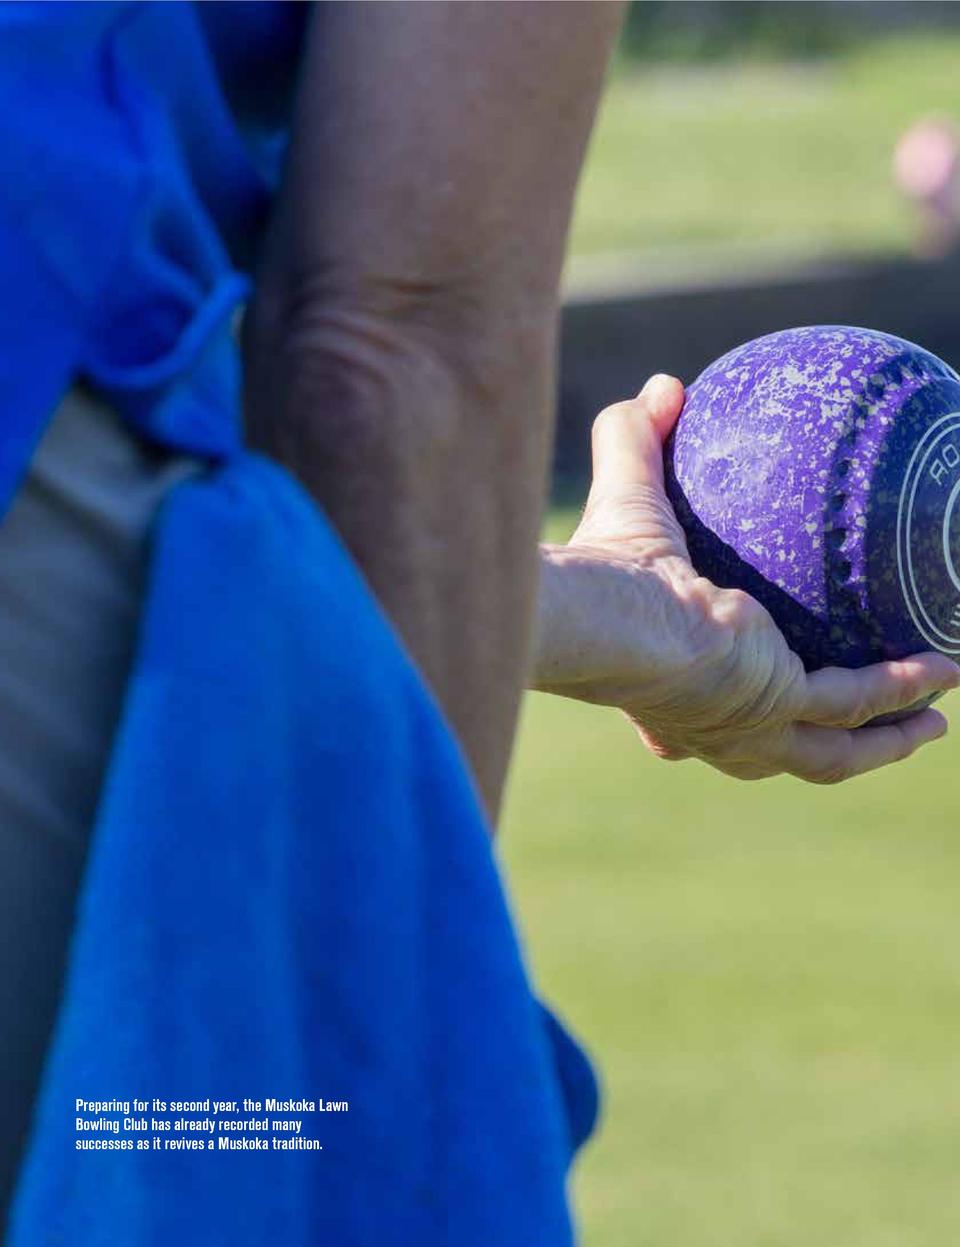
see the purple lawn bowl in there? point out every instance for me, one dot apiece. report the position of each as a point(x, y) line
point(819, 469)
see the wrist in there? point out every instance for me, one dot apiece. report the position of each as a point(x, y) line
point(547, 667)
point(613, 628)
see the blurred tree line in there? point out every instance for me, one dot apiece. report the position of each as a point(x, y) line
point(715, 30)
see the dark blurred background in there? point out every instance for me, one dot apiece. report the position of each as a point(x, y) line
point(714, 30)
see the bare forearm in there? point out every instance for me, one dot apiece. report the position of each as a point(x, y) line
point(401, 351)
point(437, 494)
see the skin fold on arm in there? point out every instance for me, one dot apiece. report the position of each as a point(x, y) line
point(400, 351)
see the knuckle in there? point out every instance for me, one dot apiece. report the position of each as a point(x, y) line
point(794, 683)
point(912, 689)
point(904, 746)
point(865, 706)
point(831, 774)
point(753, 774)
point(736, 609)
point(746, 766)
point(697, 595)
point(858, 711)
point(729, 750)
point(609, 418)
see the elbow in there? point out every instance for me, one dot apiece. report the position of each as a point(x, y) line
point(412, 356)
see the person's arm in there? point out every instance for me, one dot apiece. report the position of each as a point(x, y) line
point(624, 620)
point(400, 350)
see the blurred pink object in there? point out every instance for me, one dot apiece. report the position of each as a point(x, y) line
point(926, 168)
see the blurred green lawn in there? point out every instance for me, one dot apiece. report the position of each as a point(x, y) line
point(769, 977)
point(785, 155)
point(768, 974)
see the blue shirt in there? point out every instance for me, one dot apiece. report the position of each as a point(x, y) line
point(291, 890)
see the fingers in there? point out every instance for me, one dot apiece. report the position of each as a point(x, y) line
point(662, 400)
point(821, 749)
point(829, 755)
point(836, 697)
point(628, 437)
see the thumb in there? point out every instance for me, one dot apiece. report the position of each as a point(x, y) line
point(627, 501)
point(628, 437)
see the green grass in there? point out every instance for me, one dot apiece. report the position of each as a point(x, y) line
point(794, 156)
point(768, 976)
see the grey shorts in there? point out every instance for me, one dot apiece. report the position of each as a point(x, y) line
point(73, 558)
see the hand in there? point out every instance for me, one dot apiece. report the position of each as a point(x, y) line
point(703, 672)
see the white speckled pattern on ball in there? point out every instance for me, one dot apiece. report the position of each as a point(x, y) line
point(792, 450)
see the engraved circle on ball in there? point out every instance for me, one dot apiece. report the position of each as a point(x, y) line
point(928, 533)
